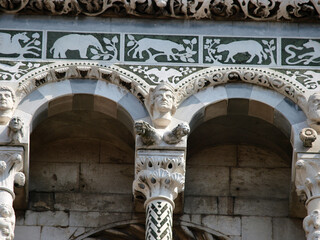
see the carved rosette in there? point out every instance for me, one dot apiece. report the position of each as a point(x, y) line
point(11, 163)
point(160, 176)
point(308, 188)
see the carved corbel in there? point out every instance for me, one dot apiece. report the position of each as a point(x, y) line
point(11, 163)
point(16, 131)
point(307, 182)
point(308, 136)
point(160, 176)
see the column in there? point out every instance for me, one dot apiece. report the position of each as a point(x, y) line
point(308, 188)
point(11, 163)
point(160, 176)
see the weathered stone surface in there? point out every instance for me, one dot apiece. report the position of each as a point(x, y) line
point(261, 182)
point(54, 177)
point(48, 218)
point(287, 229)
point(261, 110)
point(95, 219)
point(261, 207)
point(224, 224)
point(93, 202)
point(52, 233)
point(225, 155)
point(251, 156)
point(213, 181)
point(41, 201)
point(254, 228)
point(27, 233)
point(107, 178)
point(111, 152)
point(200, 205)
point(225, 205)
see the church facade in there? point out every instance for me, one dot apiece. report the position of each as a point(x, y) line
point(159, 120)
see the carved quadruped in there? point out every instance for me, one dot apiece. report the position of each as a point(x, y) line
point(11, 163)
point(258, 10)
point(307, 181)
point(159, 178)
point(147, 133)
point(176, 135)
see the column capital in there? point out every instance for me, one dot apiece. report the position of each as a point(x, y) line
point(160, 174)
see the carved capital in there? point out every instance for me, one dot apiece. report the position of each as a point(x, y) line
point(159, 175)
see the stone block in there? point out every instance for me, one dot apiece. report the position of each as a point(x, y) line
point(60, 105)
point(261, 110)
point(200, 205)
point(41, 201)
point(270, 97)
point(261, 207)
point(48, 218)
point(225, 205)
point(216, 110)
point(69, 151)
point(188, 108)
point(225, 155)
point(260, 182)
point(96, 219)
point(224, 224)
point(252, 156)
point(212, 94)
point(93, 202)
point(207, 181)
point(287, 229)
point(52, 233)
point(54, 177)
point(107, 178)
point(27, 233)
point(254, 228)
point(116, 152)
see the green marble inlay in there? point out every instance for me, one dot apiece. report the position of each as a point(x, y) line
point(94, 46)
point(12, 71)
point(300, 52)
point(154, 75)
point(161, 48)
point(20, 44)
point(227, 50)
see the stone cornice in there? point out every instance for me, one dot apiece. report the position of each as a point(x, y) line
point(257, 10)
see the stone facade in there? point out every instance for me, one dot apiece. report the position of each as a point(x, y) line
point(136, 128)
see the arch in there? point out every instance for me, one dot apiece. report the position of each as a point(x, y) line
point(34, 106)
point(125, 229)
point(259, 102)
point(267, 78)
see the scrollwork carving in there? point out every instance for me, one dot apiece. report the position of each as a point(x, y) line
point(258, 10)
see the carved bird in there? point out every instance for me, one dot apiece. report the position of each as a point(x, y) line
point(164, 73)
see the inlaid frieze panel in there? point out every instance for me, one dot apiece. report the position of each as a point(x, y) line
point(303, 52)
point(94, 46)
point(160, 48)
point(20, 44)
point(230, 50)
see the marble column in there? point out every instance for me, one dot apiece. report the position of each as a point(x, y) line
point(308, 188)
point(160, 176)
point(11, 163)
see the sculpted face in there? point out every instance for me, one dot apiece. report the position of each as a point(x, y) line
point(163, 100)
point(16, 123)
point(6, 100)
point(314, 107)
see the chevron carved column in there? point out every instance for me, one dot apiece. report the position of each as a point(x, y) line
point(11, 163)
point(160, 176)
point(307, 182)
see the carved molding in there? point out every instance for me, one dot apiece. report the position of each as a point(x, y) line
point(263, 77)
point(258, 10)
point(159, 174)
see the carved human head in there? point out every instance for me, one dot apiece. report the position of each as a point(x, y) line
point(7, 98)
point(7, 221)
point(16, 124)
point(162, 99)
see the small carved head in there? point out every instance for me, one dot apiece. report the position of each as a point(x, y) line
point(7, 98)
point(314, 107)
point(16, 124)
point(162, 99)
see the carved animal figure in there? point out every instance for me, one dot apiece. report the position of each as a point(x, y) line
point(148, 134)
point(313, 55)
point(12, 69)
point(246, 46)
point(166, 47)
point(164, 74)
point(74, 42)
point(176, 134)
point(11, 45)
